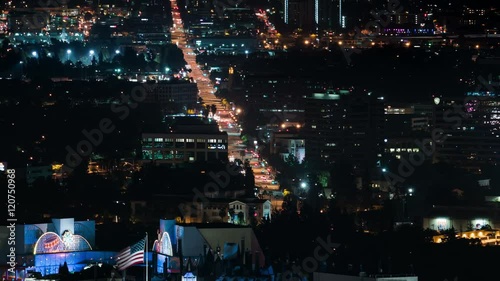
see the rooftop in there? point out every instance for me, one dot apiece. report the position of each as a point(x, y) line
point(190, 125)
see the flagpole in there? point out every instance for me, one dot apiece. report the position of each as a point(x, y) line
point(147, 268)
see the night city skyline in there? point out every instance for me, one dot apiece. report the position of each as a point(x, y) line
point(279, 140)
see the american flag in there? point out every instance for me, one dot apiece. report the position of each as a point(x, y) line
point(131, 255)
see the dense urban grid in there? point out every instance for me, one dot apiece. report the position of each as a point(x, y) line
point(287, 140)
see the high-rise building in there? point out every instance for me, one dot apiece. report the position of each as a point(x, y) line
point(300, 13)
point(470, 127)
point(344, 124)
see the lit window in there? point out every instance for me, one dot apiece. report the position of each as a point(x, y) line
point(158, 139)
point(179, 140)
point(189, 140)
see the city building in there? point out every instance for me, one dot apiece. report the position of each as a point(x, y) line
point(184, 93)
point(149, 30)
point(299, 13)
point(314, 15)
point(44, 247)
point(470, 127)
point(273, 90)
point(227, 44)
point(487, 237)
point(409, 122)
point(228, 210)
point(462, 219)
point(288, 142)
point(259, 209)
point(409, 29)
point(189, 139)
point(343, 124)
point(197, 244)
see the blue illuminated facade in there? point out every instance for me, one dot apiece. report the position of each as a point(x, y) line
point(76, 261)
point(45, 247)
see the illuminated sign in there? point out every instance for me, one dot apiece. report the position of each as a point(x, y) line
point(163, 245)
point(50, 242)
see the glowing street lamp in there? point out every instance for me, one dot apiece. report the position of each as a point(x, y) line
point(117, 52)
point(303, 185)
point(68, 52)
point(34, 54)
point(91, 53)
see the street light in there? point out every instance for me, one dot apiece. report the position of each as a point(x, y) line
point(117, 52)
point(303, 185)
point(34, 54)
point(68, 52)
point(91, 53)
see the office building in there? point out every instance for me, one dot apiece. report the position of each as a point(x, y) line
point(299, 13)
point(344, 124)
point(470, 126)
point(408, 123)
point(180, 92)
point(189, 139)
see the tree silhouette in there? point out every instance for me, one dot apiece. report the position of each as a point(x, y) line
point(241, 218)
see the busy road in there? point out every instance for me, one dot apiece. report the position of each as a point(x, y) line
point(205, 87)
point(226, 117)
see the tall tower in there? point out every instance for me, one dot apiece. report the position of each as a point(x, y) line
point(286, 11)
point(340, 13)
point(316, 13)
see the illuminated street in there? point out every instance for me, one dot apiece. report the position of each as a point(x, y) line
point(205, 87)
point(226, 118)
